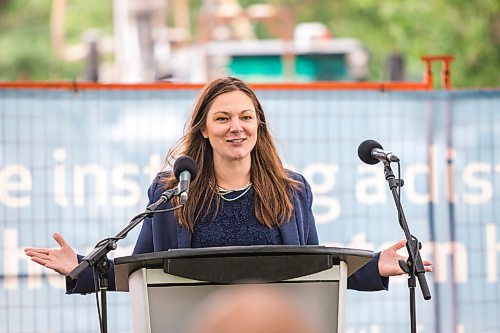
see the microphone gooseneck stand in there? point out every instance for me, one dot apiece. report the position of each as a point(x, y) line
point(98, 260)
point(413, 266)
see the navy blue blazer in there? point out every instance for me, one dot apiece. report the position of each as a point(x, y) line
point(163, 232)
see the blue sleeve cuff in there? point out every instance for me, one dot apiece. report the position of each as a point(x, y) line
point(368, 278)
point(85, 282)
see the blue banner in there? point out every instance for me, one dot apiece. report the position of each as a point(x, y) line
point(80, 163)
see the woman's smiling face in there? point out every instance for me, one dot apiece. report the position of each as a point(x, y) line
point(231, 126)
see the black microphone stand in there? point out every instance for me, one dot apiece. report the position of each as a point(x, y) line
point(413, 266)
point(98, 260)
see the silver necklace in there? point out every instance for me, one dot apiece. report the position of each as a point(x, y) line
point(222, 192)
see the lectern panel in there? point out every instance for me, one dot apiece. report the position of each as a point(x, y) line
point(172, 308)
point(172, 301)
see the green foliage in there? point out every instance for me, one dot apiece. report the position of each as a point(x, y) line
point(25, 38)
point(468, 30)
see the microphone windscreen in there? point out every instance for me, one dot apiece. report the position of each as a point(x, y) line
point(365, 151)
point(185, 163)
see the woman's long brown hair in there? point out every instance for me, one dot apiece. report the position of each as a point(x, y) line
point(272, 185)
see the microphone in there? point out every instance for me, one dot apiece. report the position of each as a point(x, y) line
point(372, 152)
point(185, 171)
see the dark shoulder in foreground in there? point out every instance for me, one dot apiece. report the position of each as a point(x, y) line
point(158, 186)
point(162, 176)
point(296, 176)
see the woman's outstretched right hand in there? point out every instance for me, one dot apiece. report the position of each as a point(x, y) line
point(62, 259)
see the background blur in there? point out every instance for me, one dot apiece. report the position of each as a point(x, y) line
point(79, 159)
point(182, 40)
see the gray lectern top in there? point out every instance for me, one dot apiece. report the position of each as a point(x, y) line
point(236, 264)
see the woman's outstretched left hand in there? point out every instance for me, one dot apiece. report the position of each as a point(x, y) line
point(388, 264)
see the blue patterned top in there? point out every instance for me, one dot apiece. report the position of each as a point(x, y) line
point(234, 225)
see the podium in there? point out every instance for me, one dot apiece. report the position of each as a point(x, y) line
point(167, 286)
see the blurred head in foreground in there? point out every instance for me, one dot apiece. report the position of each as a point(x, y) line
point(249, 309)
